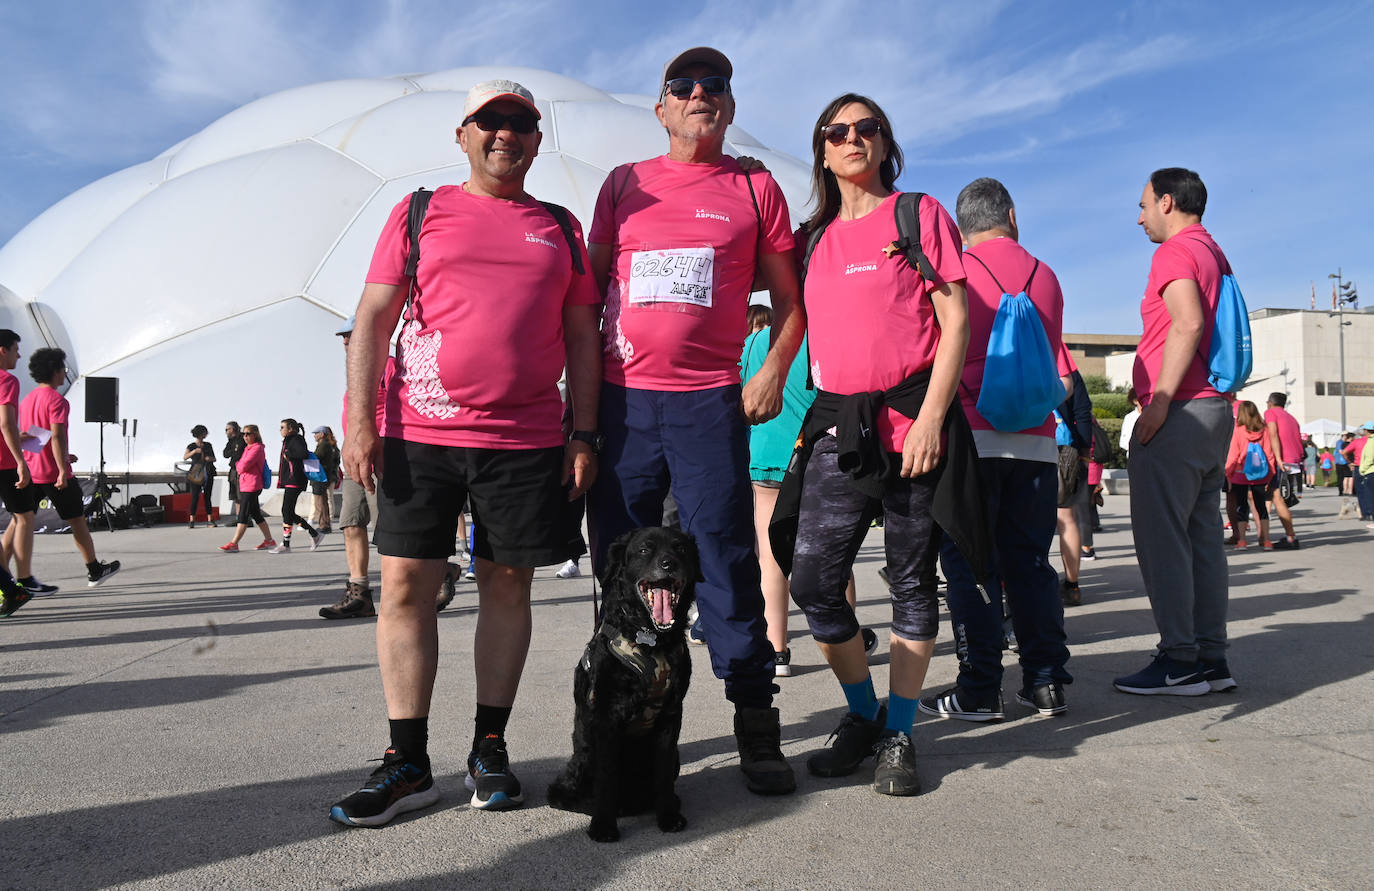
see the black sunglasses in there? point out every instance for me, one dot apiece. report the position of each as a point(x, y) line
point(682, 87)
point(838, 133)
point(488, 121)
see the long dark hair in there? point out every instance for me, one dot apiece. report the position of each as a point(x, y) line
point(825, 191)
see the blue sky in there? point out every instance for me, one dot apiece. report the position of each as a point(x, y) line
point(1070, 104)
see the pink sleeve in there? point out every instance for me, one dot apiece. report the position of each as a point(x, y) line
point(393, 248)
point(581, 288)
point(1168, 265)
point(9, 390)
point(1234, 452)
point(777, 223)
point(941, 242)
point(1067, 365)
point(603, 217)
point(61, 411)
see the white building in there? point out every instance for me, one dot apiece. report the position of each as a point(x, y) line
point(1297, 352)
point(210, 279)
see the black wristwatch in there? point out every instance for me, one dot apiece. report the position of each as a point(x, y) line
point(596, 440)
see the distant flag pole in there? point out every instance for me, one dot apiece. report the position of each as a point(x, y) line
point(1314, 295)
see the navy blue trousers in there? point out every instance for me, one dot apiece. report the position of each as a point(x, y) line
point(1021, 499)
point(697, 444)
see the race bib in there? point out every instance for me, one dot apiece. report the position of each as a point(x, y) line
point(680, 277)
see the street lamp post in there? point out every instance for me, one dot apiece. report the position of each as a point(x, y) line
point(1345, 294)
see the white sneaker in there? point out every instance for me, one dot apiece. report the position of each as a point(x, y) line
point(570, 570)
point(282, 548)
point(316, 539)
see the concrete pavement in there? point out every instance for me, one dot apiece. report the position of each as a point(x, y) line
point(189, 724)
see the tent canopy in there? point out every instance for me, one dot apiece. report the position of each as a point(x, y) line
point(1324, 431)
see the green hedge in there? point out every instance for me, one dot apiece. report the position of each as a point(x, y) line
point(1112, 426)
point(1110, 405)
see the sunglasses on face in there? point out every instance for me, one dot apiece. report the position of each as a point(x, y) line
point(682, 87)
point(838, 133)
point(487, 121)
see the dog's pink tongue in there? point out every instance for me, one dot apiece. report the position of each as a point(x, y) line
point(663, 606)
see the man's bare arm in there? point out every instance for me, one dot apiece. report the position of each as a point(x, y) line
point(762, 395)
point(9, 427)
point(1184, 302)
point(582, 344)
point(378, 311)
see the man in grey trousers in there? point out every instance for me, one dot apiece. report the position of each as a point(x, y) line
point(1178, 447)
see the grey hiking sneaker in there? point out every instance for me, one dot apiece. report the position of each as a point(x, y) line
point(895, 773)
point(854, 740)
point(356, 603)
point(758, 733)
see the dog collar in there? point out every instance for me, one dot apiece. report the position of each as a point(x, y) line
point(636, 655)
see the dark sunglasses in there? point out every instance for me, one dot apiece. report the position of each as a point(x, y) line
point(491, 120)
point(682, 87)
point(838, 133)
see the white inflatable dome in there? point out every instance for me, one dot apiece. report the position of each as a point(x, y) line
point(210, 280)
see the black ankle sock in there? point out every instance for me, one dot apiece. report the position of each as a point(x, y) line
point(28, 580)
point(410, 736)
point(490, 719)
point(93, 566)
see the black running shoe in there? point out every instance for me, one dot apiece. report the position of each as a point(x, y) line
point(37, 588)
point(95, 577)
point(956, 702)
point(854, 740)
point(1047, 699)
point(870, 640)
point(489, 779)
point(448, 587)
point(393, 789)
point(895, 773)
point(11, 598)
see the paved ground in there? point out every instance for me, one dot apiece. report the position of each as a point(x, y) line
point(189, 724)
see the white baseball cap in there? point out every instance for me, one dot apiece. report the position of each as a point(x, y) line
point(489, 91)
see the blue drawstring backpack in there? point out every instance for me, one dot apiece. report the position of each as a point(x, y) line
point(1256, 466)
point(1229, 357)
point(1021, 384)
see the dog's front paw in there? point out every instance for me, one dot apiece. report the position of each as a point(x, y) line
point(672, 822)
point(603, 831)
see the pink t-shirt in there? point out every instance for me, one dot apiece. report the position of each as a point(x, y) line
point(870, 322)
point(1011, 264)
point(684, 240)
point(483, 351)
point(1290, 435)
point(43, 407)
point(9, 395)
point(1356, 448)
point(1190, 254)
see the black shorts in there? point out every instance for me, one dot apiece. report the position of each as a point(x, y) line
point(16, 501)
point(68, 502)
point(519, 504)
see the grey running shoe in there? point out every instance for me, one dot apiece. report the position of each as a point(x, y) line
point(895, 773)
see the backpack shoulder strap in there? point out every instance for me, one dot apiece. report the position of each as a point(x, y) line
point(753, 196)
point(909, 233)
point(989, 271)
point(564, 220)
point(419, 203)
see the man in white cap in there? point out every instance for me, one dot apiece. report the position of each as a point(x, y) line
point(676, 244)
point(479, 423)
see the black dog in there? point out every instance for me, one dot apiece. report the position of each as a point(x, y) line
point(630, 685)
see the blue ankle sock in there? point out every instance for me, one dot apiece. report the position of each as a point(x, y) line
point(861, 698)
point(901, 713)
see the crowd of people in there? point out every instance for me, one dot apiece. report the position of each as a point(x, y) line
point(781, 443)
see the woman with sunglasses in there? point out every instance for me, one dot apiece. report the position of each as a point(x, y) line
point(250, 465)
point(875, 324)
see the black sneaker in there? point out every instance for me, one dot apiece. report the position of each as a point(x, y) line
point(1217, 675)
point(95, 577)
point(356, 603)
point(448, 587)
point(489, 779)
point(392, 789)
point(12, 597)
point(37, 588)
point(870, 640)
point(854, 740)
point(782, 663)
point(1047, 699)
point(956, 702)
point(1285, 544)
point(895, 773)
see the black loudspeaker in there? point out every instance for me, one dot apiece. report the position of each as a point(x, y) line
point(102, 400)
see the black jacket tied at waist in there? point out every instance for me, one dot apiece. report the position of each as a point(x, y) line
point(958, 508)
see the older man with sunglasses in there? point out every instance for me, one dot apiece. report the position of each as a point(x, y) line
point(461, 422)
point(675, 245)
